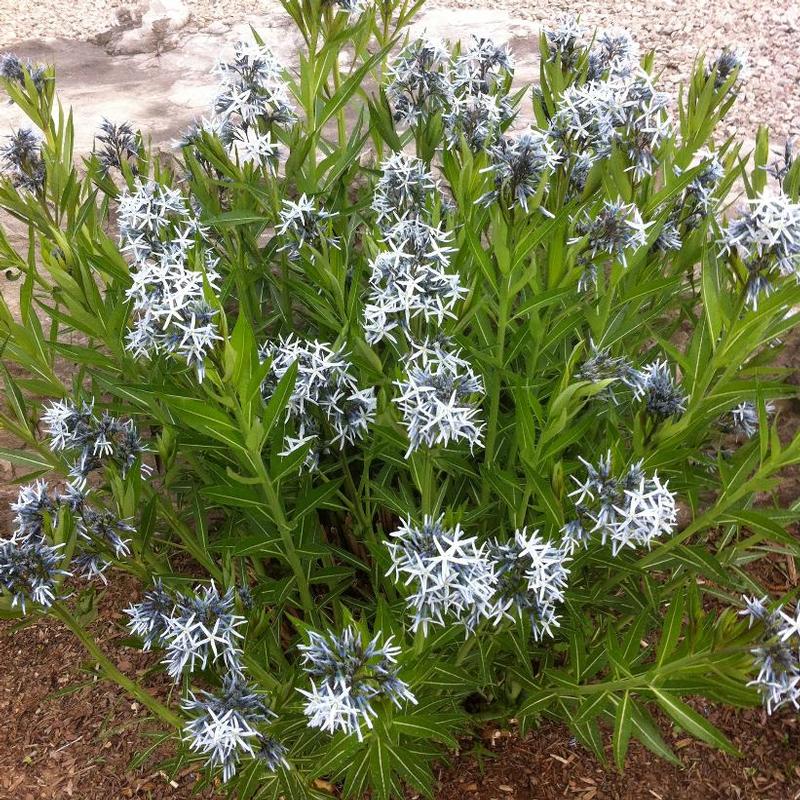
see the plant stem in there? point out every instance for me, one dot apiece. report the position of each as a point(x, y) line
point(646, 680)
point(355, 496)
point(110, 671)
point(422, 472)
point(284, 528)
point(494, 395)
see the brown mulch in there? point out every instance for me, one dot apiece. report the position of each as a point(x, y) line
point(66, 734)
point(549, 764)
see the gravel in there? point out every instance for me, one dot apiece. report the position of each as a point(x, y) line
point(83, 19)
point(767, 30)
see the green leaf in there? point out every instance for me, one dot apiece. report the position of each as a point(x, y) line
point(622, 729)
point(420, 726)
point(235, 496)
point(414, 769)
point(671, 630)
point(537, 702)
point(645, 730)
point(26, 458)
point(692, 722)
point(350, 86)
point(380, 759)
point(204, 418)
point(276, 406)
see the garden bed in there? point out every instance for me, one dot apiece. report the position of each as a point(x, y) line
point(312, 492)
point(60, 741)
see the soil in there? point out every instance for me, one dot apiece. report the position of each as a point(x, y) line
point(65, 733)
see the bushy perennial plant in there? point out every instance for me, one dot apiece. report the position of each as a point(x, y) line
point(410, 398)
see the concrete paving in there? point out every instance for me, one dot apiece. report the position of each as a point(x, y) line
point(161, 93)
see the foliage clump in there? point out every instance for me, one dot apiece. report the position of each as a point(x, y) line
point(413, 398)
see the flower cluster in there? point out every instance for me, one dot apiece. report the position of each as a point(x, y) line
point(618, 105)
point(530, 580)
point(304, 224)
point(480, 109)
point(730, 62)
point(119, 144)
point(602, 366)
point(420, 83)
point(777, 655)
point(13, 68)
point(613, 230)
point(448, 573)
point(195, 630)
point(614, 53)
point(97, 440)
point(227, 726)
point(326, 405)
point(483, 67)
point(469, 91)
point(347, 676)
point(33, 562)
point(98, 529)
point(743, 418)
point(410, 277)
point(652, 384)
point(410, 280)
point(450, 576)
point(766, 236)
point(403, 190)
point(34, 510)
point(251, 98)
point(22, 160)
point(699, 192)
point(518, 166)
point(663, 397)
point(565, 42)
point(630, 511)
point(696, 204)
point(437, 398)
point(30, 569)
point(170, 270)
point(93, 442)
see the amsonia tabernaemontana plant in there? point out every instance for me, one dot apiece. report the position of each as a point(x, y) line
point(413, 398)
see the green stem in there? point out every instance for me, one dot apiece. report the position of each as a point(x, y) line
point(192, 546)
point(423, 472)
point(340, 117)
point(494, 393)
point(355, 496)
point(285, 529)
point(649, 679)
point(110, 671)
point(465, 650)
